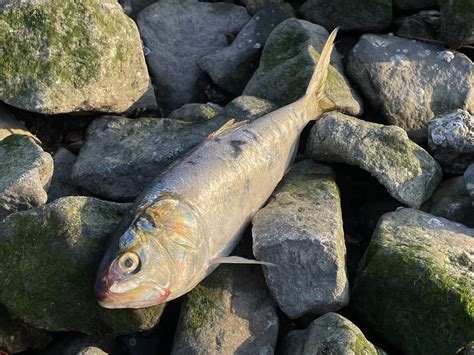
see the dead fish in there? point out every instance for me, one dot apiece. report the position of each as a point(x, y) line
point(193, 214)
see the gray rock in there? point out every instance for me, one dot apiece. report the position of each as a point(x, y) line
point(231, 312)
point(91, 350)
point(452, 201)
point(411, 82)
point(232, 67)
point(423, 25)
point(458, 22)
point(288, 61)
point(300, 230)
point(469, 179)
point(196, 112)
point(358, 15)
point(81, 344)
point(25, 174)
point(121, 156)
point(10, 125)
point(411, 5)
point(415, 288)
point(254, 6)
point(133, 7)
point(61, 182)
point(60, 57)
point(146, 103)
point(187, 31)
point(329, 334)
point(50, 257)
point(406, 170)
point(451, 140)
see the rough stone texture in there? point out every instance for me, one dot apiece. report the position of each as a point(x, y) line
point(63, 56)
point(451, 140)
point(406, 170)
point(452, 201)
point(196, 112)
point(25, 173)
point(416, 286)
point(329, 334)
point(355, 15)
point(188, 30)
point(230, 312)
point(232, 67)
point(254, 6)
point(16, 336)
point(458, 22)
point(116, 164)
point(300, 230)
point(411, 82)
point(287, 64)
point(9, 125)
point(61, 182)
point(469, 179)
point(411, 5)
point(49, 259)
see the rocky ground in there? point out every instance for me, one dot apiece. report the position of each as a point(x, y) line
point(372, 228)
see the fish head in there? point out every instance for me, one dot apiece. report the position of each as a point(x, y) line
point(148, 263)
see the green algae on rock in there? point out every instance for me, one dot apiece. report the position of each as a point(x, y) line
point(49, 259)
point(66, 56)
point(415, 288)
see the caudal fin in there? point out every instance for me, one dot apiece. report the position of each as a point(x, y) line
point(315, 95)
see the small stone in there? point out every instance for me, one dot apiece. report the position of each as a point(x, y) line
point(329, 334)
point(61, 56)
point(196, 112)
point(300, 230)
point(10, 125)
point(416, 276)
point(428, 81)
point(423, 25)
point(287, 64)
point(25, 174)
point(50, 257)
point(451, 140)
point(61, 182)
point(406, 170)
point(469, 179)
point(355, 15)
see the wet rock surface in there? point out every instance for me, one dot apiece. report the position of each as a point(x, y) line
point(25, 174)
point(300, 230)
point(418, 264)
point(411, 82)
point(408, 172)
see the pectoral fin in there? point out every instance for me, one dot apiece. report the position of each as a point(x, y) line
point(239, 260)
point(228, 127)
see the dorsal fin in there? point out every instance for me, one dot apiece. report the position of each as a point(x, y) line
point(228, 127)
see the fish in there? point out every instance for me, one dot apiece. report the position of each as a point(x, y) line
point(192, 215)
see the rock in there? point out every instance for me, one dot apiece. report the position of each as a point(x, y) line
point(469, 179)
point(358, 15)
point(288, 61)
point(16, 336)
point(50, 258)
point(411, 5)
point(451, 140)
point(406, 170)
point(329, 334)
point(416, 286)
point(121, 156)
point(81, 344)
point(230, 312)
point(133, 7)
point(188, 30)
point(458, 22)
point(61, 182)
point(25, 173)
point(61, 57)
point(424, 80)
point(452, 201)
point(146, 103)
point(232, 67)
point(10, 125)
point(196, 112)
point(423, 25)
point(91, 350)
point(254, 6)
point(300, 230)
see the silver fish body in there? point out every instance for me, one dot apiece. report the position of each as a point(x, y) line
point(197, 210)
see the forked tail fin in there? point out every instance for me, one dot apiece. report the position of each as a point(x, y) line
point(315, 96)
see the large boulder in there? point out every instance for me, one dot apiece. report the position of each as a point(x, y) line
point(50, 257)
point(300, 230)
point(416, 286)
point(406, 170)
point(63, 56)
point(187, 31)
point(411, 82)
point(288, 60)
point(25, 174)
point(355, 15)
point(121, 156)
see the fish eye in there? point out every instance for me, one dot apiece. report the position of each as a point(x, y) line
point(129, 262)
